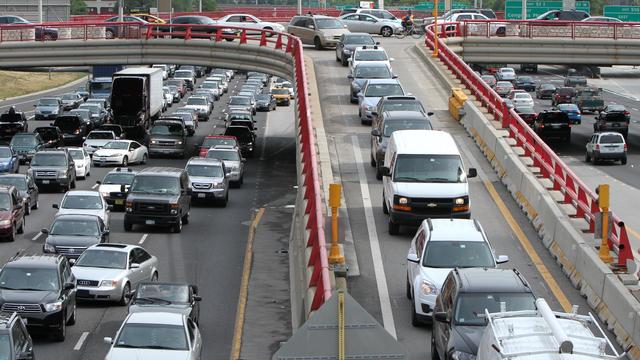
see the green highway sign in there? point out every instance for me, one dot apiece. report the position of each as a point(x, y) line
point(623, 12)
point(513, 8)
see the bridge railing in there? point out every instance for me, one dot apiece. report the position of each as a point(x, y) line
point(575, 192)
point(320, 280)
point(552, 28)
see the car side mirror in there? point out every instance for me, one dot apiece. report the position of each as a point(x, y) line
point(123, 188)
point(502, 259)
point(392, 59)
point(55, 206)
point(394, 76)
point(18, 206)
point(430, 113)
point(386, 171)
point(311, 26)
point(98, 182)
point(69, 286)
point(375, 132)
point(244, 160)
point(197, 297)
point(472, 173)
point(44, 231)
point(134, 266)
point(106, 232)
point(374, 113)
point(441, 316)
point(72, 262)
point(107, 340)
point(350, 76)
point(412, 257)
point(109, 207)
point(34, 105)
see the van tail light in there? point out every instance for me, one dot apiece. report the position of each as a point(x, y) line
point(626, 113)
point(597, 146)
point(626, 147)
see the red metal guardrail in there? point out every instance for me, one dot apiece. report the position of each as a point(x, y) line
point(556, 29)
point(320, 278)
point(574, 191)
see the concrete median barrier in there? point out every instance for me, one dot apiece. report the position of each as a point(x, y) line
point(624, 310)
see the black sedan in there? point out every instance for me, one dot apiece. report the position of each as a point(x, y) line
point(166, 297)
point(265, 102)
point(348, 43)
point(525, 83)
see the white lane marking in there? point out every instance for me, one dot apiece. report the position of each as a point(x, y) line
point(142, 240)
point(31, 117)
point(376, 254)
point(37, 236)
point(95, 186)
point(81, 341)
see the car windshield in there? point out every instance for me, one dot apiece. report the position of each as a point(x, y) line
point(548, 87)
point(527, 79)
point(223, 155)
point(70, 96)
point(489, 78)
point(48, 102)
point(566, 91)
point(402, 106)
point(85, 202)
point(554, 118)
point(101, 135)
point(371, 56)
point(167, 129)
point(19, 182)
point(103, 259)
point(211, 142)
point(173, 293)
point(15, 278)
point(93, 108)
point(429, 168)
point(239, 100)
point(239, 117)
point(76, 154)
point(117, 145)
point(118, 179)
point(156, 185)
point(75, 228)
point(470, 306)
point(67, 123)
point(5, 152)
point(280, 91)
point(521, 96)
point(183, 74)
point(379, 90)
point(329, 24)
point(568, 107)
point(84, 114)
point(504, 84)
point(152, 336)
point(5, 347)
point(606, 139)
point(507, 71)
point(205, 170)
point(196, 101)
point(23, 141)
point(101, 86)
point(358, 39)
point(461, 254)
point(391, 126)
point(263, 97)
point(372, 72)
point(175, 82)
point(44, 159)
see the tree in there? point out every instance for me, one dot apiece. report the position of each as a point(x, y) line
point(78, 7)
point(208, 5)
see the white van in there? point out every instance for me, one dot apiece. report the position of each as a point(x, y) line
point(424, 177)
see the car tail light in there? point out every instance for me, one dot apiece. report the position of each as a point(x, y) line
point(626, 147)
point(597, 146)
point(626, 112)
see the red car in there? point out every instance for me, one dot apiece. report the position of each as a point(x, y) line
point(182, 86)
point(11, 213)
point(213, 140)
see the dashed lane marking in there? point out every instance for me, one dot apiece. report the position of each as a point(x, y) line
point(37, 236)
point(81, 341)
point(143, 239)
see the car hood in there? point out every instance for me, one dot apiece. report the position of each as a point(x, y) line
point(184, 309)
point(466, 338)
point(147, 354)
point(98, 213)
point(97, 142)
point(46, 108)
point(205, 179)
point(27, 296)
point(5, 215)
point(110, 152)
point(197, 107)
point(110, 188)
point(430, 190)
point(23, 148)
point(65, 240)
point(436, 276)
point(98, 274)
point(5, 160)
point(153, 198)
point(370, 100)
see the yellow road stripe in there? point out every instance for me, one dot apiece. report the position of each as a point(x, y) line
point(526, 244)
point(633, 232)
point(244, 288)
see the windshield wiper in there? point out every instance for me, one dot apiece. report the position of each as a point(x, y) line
point(407, 178)
point(161, 347)
point(152, 299)
point(438, 180)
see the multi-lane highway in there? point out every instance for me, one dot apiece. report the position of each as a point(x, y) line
point(209, 252)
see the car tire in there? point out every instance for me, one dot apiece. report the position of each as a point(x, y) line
point(20, 230)
point(27, 210)
point(177, 228)
point(385, 209)
point(587, 158)
point(409, 294)
point(185, 219)
point(386, 31)
point(128, 226)
point(155, 277)
point(378, 172)
point(317, 43)
point(124, 300)
point(623, 161)
point(36, 205)
point(270, 29)
point(373, 161)
point(145, 157)
point(414, 316)
point(73, 184)
point(109, 34)
point(225, 201)
point(125, 161)
point(61, 332)
point(344, 61)
point(434, 350)
point(394, 229)
point(72, 319)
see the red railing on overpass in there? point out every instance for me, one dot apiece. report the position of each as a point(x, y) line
point(554, 29)
point(564, 180)
point(320, 279)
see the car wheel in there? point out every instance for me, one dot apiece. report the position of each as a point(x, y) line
point(37, 204)
point(21, 228)
point(434, 350)
point(109, 34)
point(379, 172)
point(47, 37)
point(270, 33)
point(72, 319)
point(125, 161)
point(73, 184)
point(126, 295)
point(27, 210)
point(144, 159)
point(128, 226)
point(154, 277)
point(317, 43)
point(185, 219)
point(394, 229)
point(409, 295)
point(414, 315)
point(373, 161)
point(61, 332)
point(177, 228)
point(385, 209)
point(12, 236)
point(623, 161)
point(386, 31)
point(225, 201)
point(587, 158)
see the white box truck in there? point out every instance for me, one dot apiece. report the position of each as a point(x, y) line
point(136, 99)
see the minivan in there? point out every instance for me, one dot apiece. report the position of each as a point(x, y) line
point(424, 177)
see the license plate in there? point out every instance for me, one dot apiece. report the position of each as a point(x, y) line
point(119, 202)
point(150, 222)
point(201, 195)
point(45, 181)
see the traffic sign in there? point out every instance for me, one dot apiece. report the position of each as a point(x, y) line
point(513, 8)
point(623, 12)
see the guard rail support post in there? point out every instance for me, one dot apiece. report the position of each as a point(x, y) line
point(603, 203)
point(336, 259)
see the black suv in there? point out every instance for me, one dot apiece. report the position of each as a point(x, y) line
point(42, 289)
point(465, 294)
point(12, 122)
point(74, 129)
point(564, 15)
point(158, 196)
point(53, 167)
point(553, 124)
point(15, 341)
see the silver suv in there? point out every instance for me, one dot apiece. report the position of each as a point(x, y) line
point(321, 31)
point(233, 162)
point(208, 179)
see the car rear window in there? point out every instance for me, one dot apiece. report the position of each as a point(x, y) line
point(611, 139)
point(554, 118)
point(616, 117)
point(566, 91)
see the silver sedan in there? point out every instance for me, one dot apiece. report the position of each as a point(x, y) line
point(366, 23)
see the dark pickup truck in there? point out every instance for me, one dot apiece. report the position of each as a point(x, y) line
point(11, 123)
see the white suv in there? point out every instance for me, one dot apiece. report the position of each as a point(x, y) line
point(439, 246)
point(368, 54)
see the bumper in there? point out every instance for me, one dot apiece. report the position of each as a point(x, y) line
point(98, 293)
point(424, 306)
point(106, 161)
point(329, 42)
point(43, 320)
point(46, 116)
point(136, 219)
point(6, 231)
point(611, 155)
point(283, 101)
point(412, 219)
point(235, 176)
point(55, 182)
point(81, 171)
point(365, 116)
point(215, 194)
point(165, 151)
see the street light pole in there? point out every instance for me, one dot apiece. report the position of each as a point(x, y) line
point(200, 6)
point(120, 10)
point(40, 11)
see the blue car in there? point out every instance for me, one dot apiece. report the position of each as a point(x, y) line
point(9, 161)
point(572, 111)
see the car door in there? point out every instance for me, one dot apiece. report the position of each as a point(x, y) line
point(353, 22)
point(71, 167)
point(442, 330)
point(33, 191)
point(135, 275)
point(234, 20)
point(369, 24)
point(68, 278)
point(417, 243)
point(146, 267)
point(195, 339)
point(15, 163)
point(184, 195)
point(18, 208)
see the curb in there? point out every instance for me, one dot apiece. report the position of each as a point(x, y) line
point(73, 83)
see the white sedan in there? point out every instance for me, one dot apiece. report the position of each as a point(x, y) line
point(249, 22)
point(82, 160)
point(121, 152)
point(84, 202)
point(521, 100)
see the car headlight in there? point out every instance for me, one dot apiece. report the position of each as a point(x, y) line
point(370, 107)
point(49, 248)
point(460, 201)
point(154, 141)
point(178, 142)
point(347, 52)
point(54, 306)
point(427, 288)
point(5, 222)
point(459, 355)
point(219, 185)
point(403, 201)
point(30, 172)
point(109, 283)
point(104, 193)
point(62, 173)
